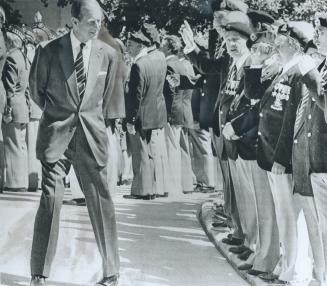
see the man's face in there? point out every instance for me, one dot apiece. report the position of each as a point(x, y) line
point(165, 47)
point(281, 44)
point(89, 25)
point(321, 39)
point(235, 43)
point(133, 48)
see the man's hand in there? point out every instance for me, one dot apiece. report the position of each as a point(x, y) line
point(7, 115)
point(229, 133)
point(278, 169)
point(131, 129)
point(187, 35)
point(174, 80)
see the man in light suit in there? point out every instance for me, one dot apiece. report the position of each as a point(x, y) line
point(72, 80)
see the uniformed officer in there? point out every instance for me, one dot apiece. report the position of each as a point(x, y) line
point(279, 102)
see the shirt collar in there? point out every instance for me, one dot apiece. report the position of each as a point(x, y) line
point(76, 43)
point(291, 63)
point(240, 62)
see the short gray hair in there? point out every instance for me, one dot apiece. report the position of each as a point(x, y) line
point(79, 5)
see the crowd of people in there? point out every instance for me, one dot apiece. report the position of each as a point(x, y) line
point(240, 107)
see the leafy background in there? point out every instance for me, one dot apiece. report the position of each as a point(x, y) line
point(169, 14)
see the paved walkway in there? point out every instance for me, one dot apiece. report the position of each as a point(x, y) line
point(161, 243)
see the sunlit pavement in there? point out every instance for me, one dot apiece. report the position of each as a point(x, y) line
point(161, 243)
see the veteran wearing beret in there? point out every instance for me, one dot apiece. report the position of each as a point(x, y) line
point(146, 116)
point(278, 106)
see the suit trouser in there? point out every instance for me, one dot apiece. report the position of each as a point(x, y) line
point(282, 191)
point(74, 185)
point(308, 206)
point(230, 206)
point(113, 160)
point(93, 182)
point(173, 137)
point(267, 247)
point(150, 163)
point(2, 157)
point(245, 199)
point(187, 177)
point(16, 158)
point(34, 165)
point(319, 186)
point(203, 164)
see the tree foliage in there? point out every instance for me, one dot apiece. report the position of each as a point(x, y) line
point(13, 16)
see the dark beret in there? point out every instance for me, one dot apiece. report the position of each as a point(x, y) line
point(259, 17)
point(240, 28)
point(139, 37)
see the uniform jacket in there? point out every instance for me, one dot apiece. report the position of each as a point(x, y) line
point(53, 87)
point(278, 108)
point(215, 71)
point(178, 101)
point(145, 102)
point(237, 109)
point(15, 80)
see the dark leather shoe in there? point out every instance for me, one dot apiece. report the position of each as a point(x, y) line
point(245, 266)
point(149, 197)
point(37, 280)
point(254, 272)
point(268, 277)
point(232, 241)
point(245, 255)
point(75, 202)
point(165, 195)
point(132, 197)
point(187, 192)
point(238, 249)
point(109, 281)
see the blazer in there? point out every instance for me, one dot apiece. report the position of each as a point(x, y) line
point(178, 101)
point(145, 102)
point(278, 107)
point(15, 75)
point(53, 87)
point(215, 75)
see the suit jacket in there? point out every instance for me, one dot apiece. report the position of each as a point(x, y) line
point(53, 87)
point(15, 80)
point(145, 102)
point(178, 101)
point(278, 107)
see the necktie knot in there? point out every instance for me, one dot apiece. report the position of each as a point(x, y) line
point(82, 46)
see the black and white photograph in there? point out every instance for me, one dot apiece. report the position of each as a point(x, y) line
point(163, 142)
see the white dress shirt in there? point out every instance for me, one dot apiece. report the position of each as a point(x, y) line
point(76, 46)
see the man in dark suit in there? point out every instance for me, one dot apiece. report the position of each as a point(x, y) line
point(180, 118)
point(146, 117)
point(72, 81)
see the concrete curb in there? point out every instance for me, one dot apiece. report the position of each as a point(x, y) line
point(205, 215)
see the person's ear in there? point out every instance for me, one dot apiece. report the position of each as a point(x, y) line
point(74, 21)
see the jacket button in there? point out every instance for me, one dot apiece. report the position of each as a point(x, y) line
point(221, 112)
point(259, 133)
point(205, 81)
point(222, 125)
point(261, 115)
point(202, 93)
point(313, 100)
point(309, 134)
point(309, 117)
point(295, 141)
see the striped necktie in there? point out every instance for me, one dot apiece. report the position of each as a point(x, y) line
point(80, 73)
point(302, 106)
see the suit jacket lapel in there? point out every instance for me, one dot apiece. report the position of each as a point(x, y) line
point(67, 62)
point(94, 68)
